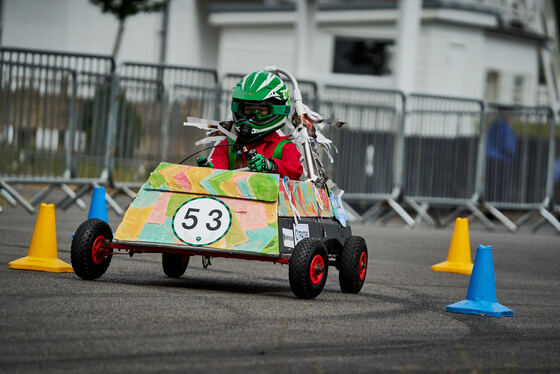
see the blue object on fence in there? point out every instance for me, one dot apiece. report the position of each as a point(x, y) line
point(98, 205)
point(481, 296)
point(501, 141)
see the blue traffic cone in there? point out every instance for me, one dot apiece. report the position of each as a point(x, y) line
point(98, 205)
point(481, 296)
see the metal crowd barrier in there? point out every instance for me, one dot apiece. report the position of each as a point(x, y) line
point(80, 62)
point(519, 162)
point(71, 119)
point(52, 107)
point(36, 137)
point(93, 80)
point(371, 143)
point(31, 128)
point(442, 154)
point(154, 101)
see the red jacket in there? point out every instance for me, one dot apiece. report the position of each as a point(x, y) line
point(289, 165)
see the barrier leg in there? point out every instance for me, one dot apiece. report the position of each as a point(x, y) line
point(547, 217)
point(372, 212)
point(72, 194)
point(423, 213)
point(113, 205)
point(128, 192)
point(421, 210)
point(451, 217)
point(478, 214)
point(69, 200)
point(525, 218)
point(20, 199)
point(8, 197)
point(39, 196)
point(501, 217)
point(389, 216)
point(351, 214)
point(538, 225)
point(401, 212)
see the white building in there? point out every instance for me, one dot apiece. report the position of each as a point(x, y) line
point(468, 48)
point(478, 49)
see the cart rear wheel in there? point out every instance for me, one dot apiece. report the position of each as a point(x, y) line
point(89, 255)
point(353, 265)
point(309, 268)
point(174, 265)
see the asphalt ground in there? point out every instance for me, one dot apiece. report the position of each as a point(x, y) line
point(240, 316)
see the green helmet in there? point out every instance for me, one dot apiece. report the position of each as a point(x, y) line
point(259, 89)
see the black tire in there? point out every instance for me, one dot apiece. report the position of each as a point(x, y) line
point(86, 261)
point(304, 283)
point(353, 267)
point(174, 265)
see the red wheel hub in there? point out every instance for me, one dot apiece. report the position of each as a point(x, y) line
point(362, 266)
point(317, 269)
point(98, 250)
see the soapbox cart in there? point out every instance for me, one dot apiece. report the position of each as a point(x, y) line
point(183, 211)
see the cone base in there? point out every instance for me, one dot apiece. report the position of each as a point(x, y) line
point(52, 265)
point(481, 308)
point(453, 267)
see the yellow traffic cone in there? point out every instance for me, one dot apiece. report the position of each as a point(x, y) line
point(459, 255)
point(42, 254)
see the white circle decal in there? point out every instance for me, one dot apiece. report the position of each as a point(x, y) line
point(201, 221)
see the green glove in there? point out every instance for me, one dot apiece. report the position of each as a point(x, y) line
point(203, 162)
point(262, 164)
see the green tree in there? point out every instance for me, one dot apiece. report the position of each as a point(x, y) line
point(122, 9)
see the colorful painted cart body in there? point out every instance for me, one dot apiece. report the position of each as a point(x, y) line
point(182, 211)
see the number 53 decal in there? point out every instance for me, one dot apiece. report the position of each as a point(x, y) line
point(201, 221)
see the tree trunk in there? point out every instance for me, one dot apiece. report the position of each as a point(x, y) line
point(118, 39)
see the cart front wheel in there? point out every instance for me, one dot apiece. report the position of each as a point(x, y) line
point(174, 265)
point(309, 267)
point(89, 254)
point(353, 265)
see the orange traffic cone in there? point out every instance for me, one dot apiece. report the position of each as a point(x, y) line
point(42, 254)
point(459, 255)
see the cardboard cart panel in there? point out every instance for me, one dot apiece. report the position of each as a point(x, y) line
point(214, 182)
point(204, 207)
point(201, 220)
point(307, 200)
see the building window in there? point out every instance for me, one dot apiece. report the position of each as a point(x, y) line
point(518, 89)
point(492, 86)
point(363, 56)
